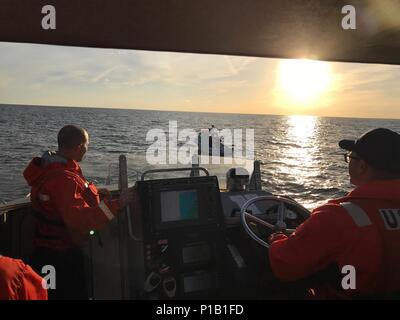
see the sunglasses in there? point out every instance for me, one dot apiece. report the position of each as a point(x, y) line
point(348, 156)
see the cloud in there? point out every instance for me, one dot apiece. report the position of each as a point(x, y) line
point(108, 68)
point(224, 86)
point(363, 76)
point(184, 69)
point(238, 64)
point(105, 73)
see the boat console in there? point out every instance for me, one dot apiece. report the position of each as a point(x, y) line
point(193, 243)
point(183, 238)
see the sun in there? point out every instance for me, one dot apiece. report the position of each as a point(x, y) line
point(304, 81)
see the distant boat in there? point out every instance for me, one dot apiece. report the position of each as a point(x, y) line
point(222, 148)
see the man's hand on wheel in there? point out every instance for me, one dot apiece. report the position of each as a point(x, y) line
point(276, 236)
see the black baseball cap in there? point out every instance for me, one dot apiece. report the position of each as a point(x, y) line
point(379, 147)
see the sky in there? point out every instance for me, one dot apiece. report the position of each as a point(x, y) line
point(109, 78)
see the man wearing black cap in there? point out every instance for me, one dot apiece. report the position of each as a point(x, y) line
point(359, 232)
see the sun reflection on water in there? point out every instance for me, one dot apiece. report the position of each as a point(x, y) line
point(298, 160)
point(301, 128)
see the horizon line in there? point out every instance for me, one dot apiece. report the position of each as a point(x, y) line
point(209, 112)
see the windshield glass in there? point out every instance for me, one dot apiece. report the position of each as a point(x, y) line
point(151, 106)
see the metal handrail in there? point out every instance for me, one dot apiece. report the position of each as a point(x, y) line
point(109, 178)
point(174, 169)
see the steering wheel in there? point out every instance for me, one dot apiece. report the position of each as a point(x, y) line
point(280, 224)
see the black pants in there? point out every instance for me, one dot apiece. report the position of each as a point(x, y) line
point(70, 272)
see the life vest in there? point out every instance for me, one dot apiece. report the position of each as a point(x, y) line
point(55, 228)
point(66, 204)
point(386, 219)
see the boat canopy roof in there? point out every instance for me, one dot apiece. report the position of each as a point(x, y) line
point(264, 28)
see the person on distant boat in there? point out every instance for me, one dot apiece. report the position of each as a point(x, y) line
point(358, 234)
point(214, 142)
point(213, 131)
point(19, 282)
point(67, 207)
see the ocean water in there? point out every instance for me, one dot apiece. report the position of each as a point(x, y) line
point(300, 154)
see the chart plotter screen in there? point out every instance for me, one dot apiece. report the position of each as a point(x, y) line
point(179, 205)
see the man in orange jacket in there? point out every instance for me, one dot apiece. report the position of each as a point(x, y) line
point(359, 233)
point(19, 282)
point(67, 207)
